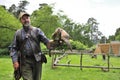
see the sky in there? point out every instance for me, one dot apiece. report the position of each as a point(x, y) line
point(106, 12)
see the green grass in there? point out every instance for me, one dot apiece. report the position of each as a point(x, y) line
point(6, 70)
point(68, 73)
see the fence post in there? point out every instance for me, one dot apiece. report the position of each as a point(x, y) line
point(108, 62)
point(110, 52)
point(81, 61)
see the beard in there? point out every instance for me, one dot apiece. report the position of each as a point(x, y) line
point(26, 26)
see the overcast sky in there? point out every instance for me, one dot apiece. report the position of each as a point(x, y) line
point(106, 12)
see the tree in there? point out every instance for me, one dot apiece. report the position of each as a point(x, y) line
point(8, 25)
point(111, 38)
point(117, 38)
point(76, 31)
point(15, 10)
point(117, 34)
point(92, 29)
point(103, 39)
point(45, 19)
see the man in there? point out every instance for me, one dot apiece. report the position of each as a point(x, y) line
point(26, 43)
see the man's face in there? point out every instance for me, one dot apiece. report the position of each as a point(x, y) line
point(25, 20)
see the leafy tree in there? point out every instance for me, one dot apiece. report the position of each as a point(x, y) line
point(8, 25)
point(103, 39)
point(117, 34)
point(87, 33)
point(76, 31)
point(13, 9)
point(92, 30)
point(117, 38)
point(45, 19)
point(17, 9)
point(111, 38)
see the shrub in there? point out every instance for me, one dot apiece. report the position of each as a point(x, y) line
point(78, 45)
point(4, 51)
point(75, 45)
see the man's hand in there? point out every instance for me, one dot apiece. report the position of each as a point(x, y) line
point(49, 46)
point(16, 65)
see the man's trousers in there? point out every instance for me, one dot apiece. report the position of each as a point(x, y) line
point(31, 69)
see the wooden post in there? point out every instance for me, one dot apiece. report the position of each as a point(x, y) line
point(110, 52)
point(52, 61)
point(108, 62)
point(81, 61)
point(53, 55)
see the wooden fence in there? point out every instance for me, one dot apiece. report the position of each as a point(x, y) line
point(56, 59)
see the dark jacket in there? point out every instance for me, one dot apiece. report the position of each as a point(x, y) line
point(28, 43)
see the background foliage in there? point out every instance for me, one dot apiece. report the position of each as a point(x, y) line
point(8, 25)
point(44, 17)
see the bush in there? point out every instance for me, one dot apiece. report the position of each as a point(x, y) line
point(78, 45)
point(4, 51)
point(75, 45)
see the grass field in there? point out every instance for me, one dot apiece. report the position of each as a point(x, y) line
point(68, 73)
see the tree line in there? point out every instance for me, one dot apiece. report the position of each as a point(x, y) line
point(88, 33)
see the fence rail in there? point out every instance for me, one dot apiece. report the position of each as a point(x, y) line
point(56, 59)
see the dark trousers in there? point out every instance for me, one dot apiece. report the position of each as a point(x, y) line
point(31, 70)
